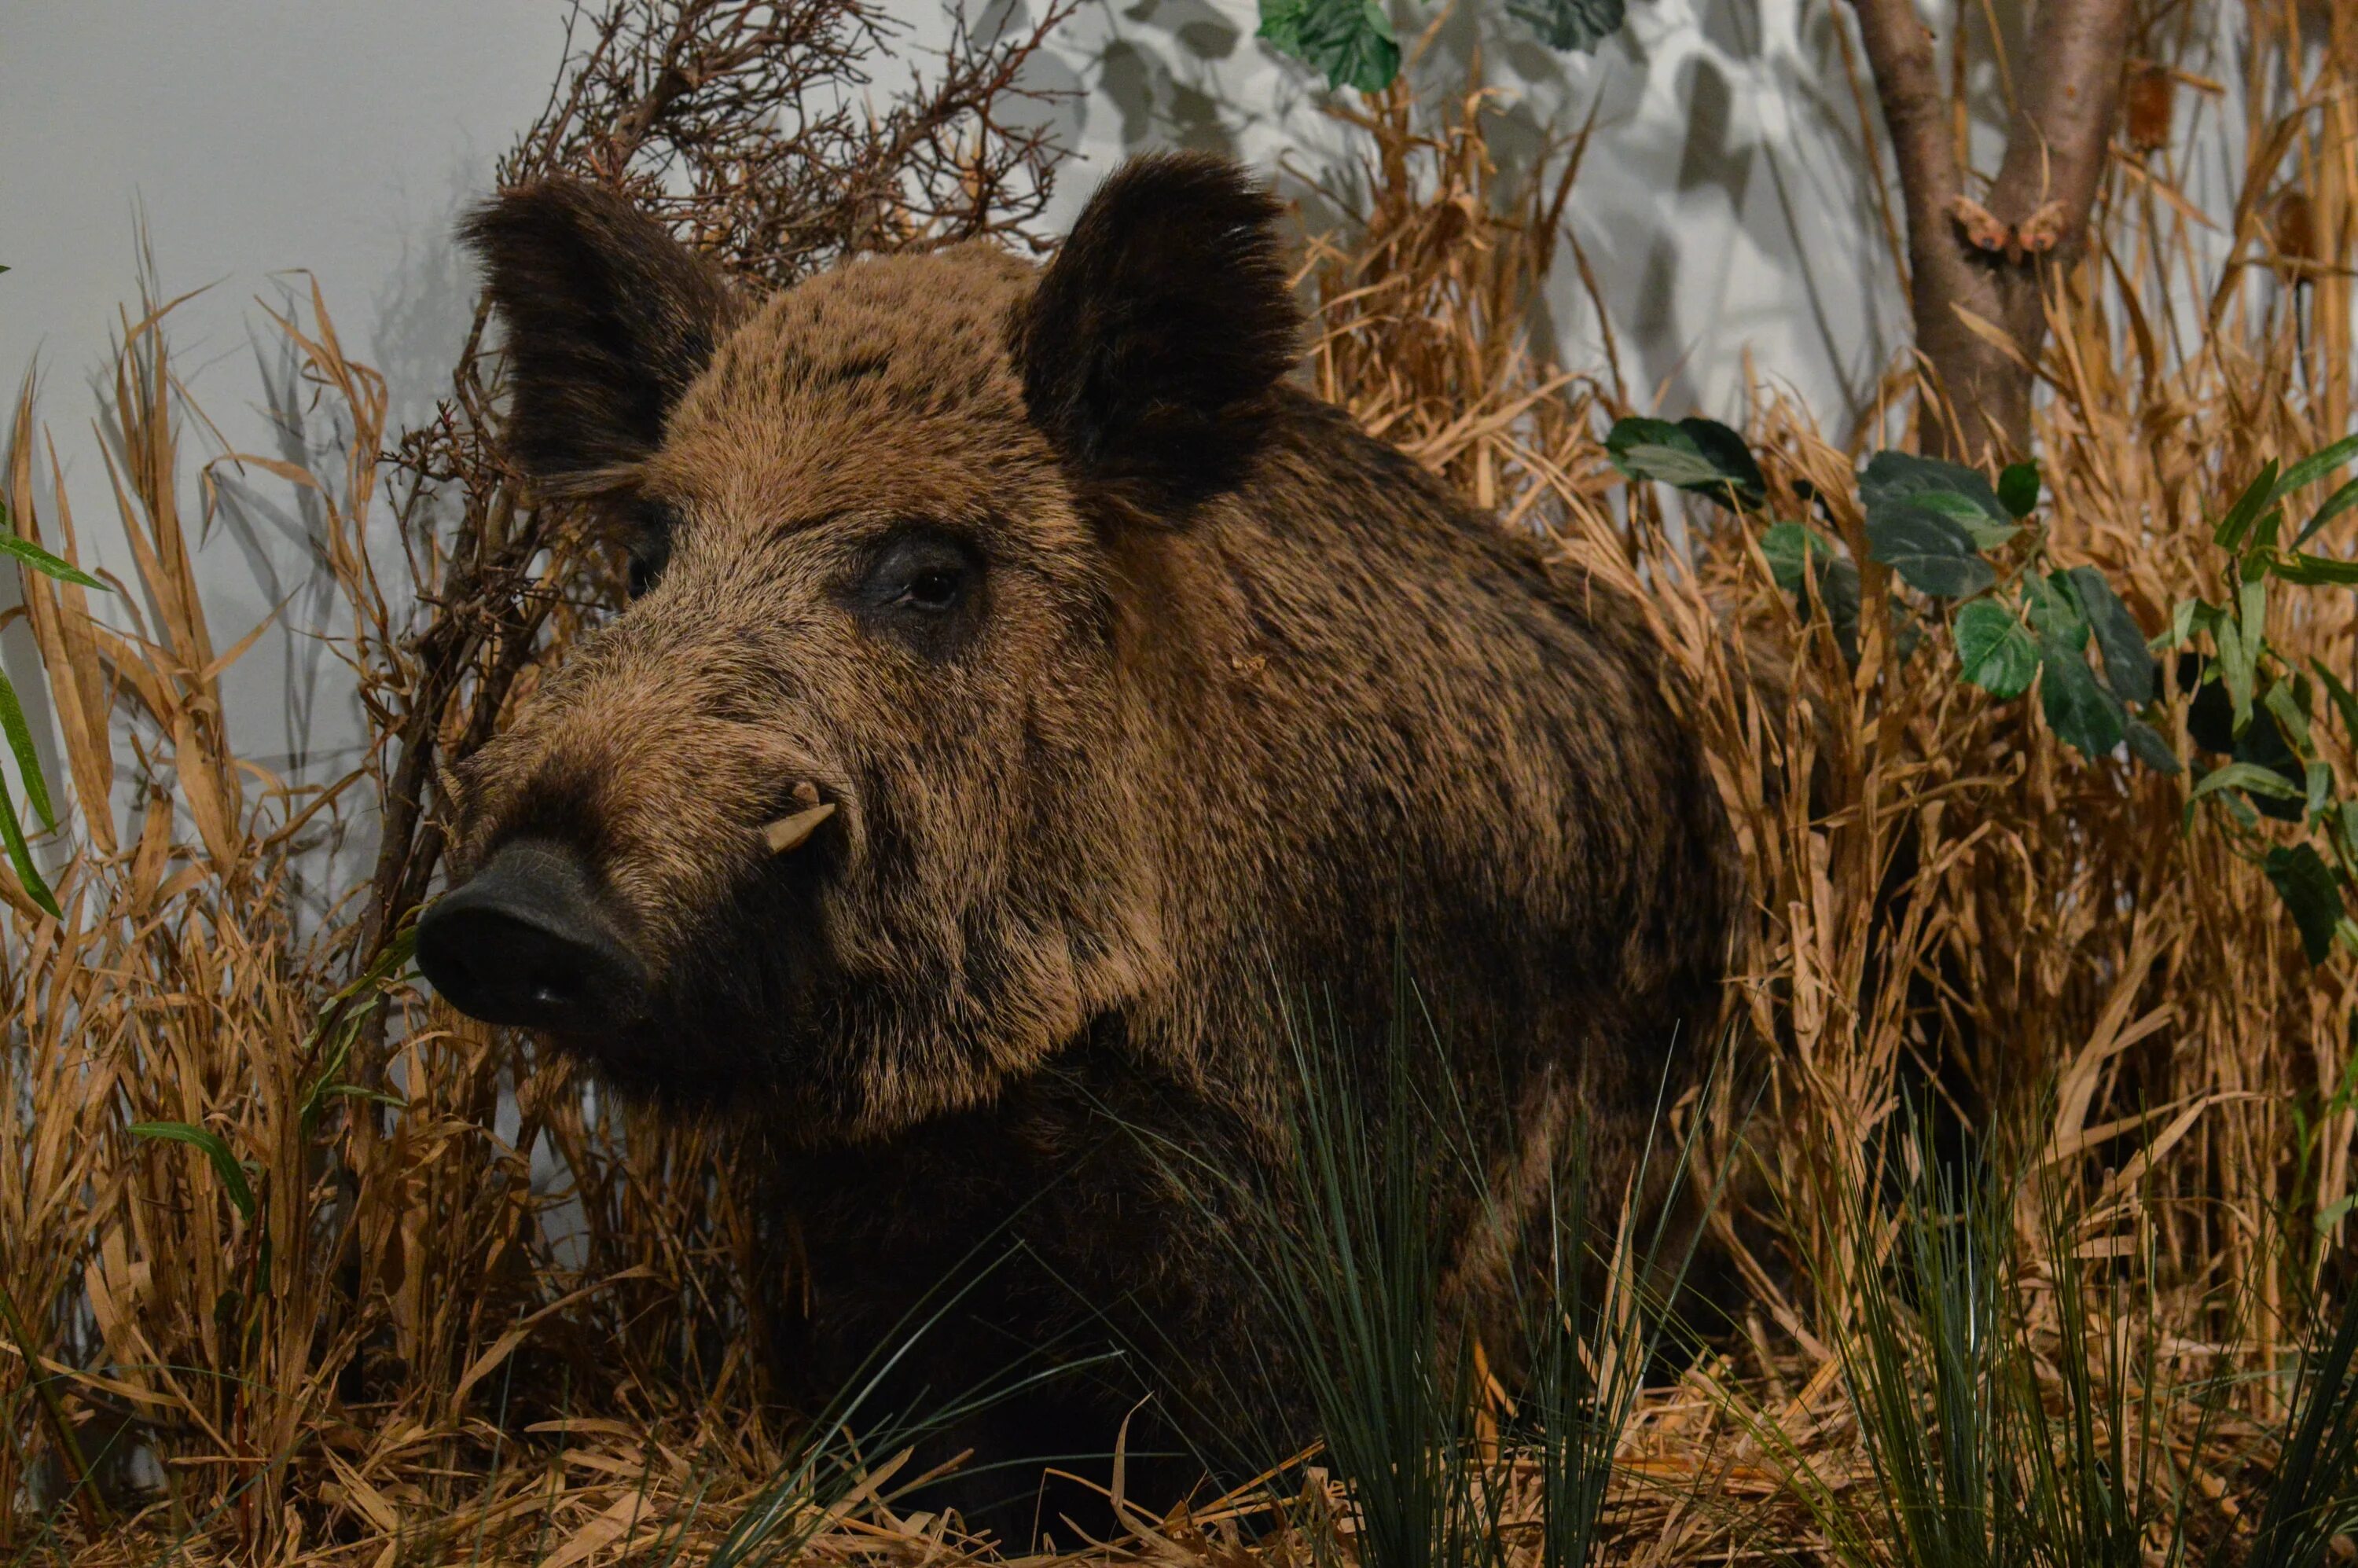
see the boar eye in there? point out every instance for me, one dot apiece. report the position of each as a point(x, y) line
point(647, 563)
point(923, 586)
point(650, 545)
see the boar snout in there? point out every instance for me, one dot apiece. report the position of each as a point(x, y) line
point(528, 940)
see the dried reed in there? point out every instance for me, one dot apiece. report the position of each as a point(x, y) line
point(380, 1330)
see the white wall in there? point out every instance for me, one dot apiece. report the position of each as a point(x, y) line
point(1722, 206)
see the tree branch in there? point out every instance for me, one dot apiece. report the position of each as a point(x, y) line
point(2062, 130)
point(1915, 109)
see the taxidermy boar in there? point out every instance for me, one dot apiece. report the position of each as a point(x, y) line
point(1025, 689)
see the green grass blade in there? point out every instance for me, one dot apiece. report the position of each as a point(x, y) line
point(20, 857)
point(29, 761)
point(215, 1149)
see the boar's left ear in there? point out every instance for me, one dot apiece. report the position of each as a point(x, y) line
point(1155, 337)
point(609, 319)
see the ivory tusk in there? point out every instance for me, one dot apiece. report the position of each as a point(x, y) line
point(788, 832)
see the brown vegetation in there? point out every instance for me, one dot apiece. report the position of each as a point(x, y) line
point(393, 1358)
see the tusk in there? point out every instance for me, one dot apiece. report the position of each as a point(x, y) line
point(788, 832)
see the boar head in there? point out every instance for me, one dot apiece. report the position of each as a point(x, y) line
point(866, 801)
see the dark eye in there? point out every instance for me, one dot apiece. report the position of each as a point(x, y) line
point(650, 545)
point(646, 568)
point(935, 590)
point(926, 587)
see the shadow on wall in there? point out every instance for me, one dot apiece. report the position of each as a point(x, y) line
point(1724, 205)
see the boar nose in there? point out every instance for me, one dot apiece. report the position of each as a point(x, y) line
point(528, 940)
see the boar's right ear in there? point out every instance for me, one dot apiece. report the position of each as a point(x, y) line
point(609, 319)
point(1155, 337)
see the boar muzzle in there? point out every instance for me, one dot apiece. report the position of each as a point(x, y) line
point(529, 941)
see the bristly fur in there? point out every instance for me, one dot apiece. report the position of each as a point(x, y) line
point(1152, 341)
point(608, 318)
point(1313, 718)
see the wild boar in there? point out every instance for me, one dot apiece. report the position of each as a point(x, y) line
point(1026, 687)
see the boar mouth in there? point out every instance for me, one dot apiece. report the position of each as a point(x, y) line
point(529, 941)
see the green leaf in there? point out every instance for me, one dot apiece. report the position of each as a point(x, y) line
point(1350, 40)
point(1997, 655)
point(1701, 456)
point(2345, 702)
point(2248, 506)
point(2018, 488)
point(224, 1164)
point(1837, 589)
point(2147, 745)
point(2312, 571)
point(2249, 777)
point(2082, 712)
point(2286, 703)
point(1568, 24)
point(2339, 502)
point(2055, 609)
point(2239, 660)
point(2190, 616)
point(1931, 551)
point(1899, 479)
point(2316, 466)
point(1790, 547)
point(20, 857)
point(2264, 538)
point(48, 565)
point(2317, 782)
point(2306, 884)
point(1986, 535)
point(2128, 664)
point(29, 761)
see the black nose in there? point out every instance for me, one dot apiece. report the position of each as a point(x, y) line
point(529, 941)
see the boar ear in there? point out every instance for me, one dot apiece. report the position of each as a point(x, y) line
point(609, 318)
point(1156, 334)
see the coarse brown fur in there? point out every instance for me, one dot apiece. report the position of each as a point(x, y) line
point(1229, 699)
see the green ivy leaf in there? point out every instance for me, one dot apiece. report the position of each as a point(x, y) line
point(2306, 884)
point(1898, 480)
point(2147, 745)
point(1932, 551)
point(1568, 24)
point(1997, 654)
point(2129, 664)
point(2018, 489)
point(1837, 589)
point(1350, 40)
point(2087, 716)
point(1790, 547)
point(2055, 609)
point(1701, 456)
point(232, 1174)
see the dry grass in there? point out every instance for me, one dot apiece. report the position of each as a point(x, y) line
point(411, 1350)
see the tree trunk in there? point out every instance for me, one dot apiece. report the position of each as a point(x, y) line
point(1979, 270)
